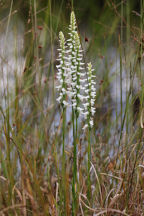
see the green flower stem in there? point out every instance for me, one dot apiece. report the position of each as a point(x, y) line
point(74, 182)
point(63, 157)
point(89, 163)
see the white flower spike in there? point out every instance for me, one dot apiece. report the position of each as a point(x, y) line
point(62, 72)
point(74, 82)
point(90, 94)
point(75, 72)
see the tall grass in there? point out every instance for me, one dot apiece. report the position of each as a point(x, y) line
point(46, 158)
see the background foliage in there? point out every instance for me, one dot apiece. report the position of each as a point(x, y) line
point(111, 33)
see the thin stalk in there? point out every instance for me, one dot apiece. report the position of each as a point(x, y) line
point(52, 52)
point(75, 147)
point(8, 152)
point(141, 36)
point(141, 51)
point(141, 55)
point(74, 165)
point(126, 60)
point(72, 6)
point(63, 158)
point(7, 123)
point(89, 163)
point(121, 68)
point(36, 45)
point(89, 151)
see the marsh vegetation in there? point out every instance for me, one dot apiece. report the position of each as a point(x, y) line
point(50, 165)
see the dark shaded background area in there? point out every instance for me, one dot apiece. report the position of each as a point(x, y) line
point(100, 18)
point(86, 11)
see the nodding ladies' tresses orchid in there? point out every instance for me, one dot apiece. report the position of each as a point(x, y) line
point(90, 92)
point(72, 76)
point(61, 75)
point(75, 71)
point(80, 89)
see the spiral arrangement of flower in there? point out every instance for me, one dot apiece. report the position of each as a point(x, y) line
point(78, 85)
